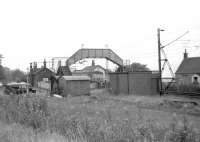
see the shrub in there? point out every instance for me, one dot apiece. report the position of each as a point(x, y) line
point(188, 88)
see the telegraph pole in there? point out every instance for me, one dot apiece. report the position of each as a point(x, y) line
point(159, 62)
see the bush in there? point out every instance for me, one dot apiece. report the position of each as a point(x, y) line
point(188, 88)
point(182, 88)
point(172, 87)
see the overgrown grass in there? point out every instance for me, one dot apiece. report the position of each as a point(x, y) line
point(18, 133)
point(31, 111)
point(35, 113)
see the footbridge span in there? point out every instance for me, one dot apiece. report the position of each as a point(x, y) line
point(95, 53)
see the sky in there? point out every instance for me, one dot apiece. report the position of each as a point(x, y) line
point(34, 30)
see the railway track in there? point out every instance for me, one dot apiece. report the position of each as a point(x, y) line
point(192, 95)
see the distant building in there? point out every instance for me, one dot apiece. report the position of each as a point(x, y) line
point(40, 77)
point(96, 72)
point(74, 85)
point(188, 71)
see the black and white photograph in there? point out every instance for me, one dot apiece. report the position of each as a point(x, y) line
point(99, 71)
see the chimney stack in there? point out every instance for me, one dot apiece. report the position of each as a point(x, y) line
point(31, 67)
point(45, 63)
point(93, 63)
point(35, 66)
point(67, 63)
point(185, 54)
point(59, 63)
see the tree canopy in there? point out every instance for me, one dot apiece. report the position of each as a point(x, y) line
point(134, 67)
point(8, 75)
point(2, 74)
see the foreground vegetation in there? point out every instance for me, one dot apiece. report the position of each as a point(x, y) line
point(19, 133)
point(90, 119)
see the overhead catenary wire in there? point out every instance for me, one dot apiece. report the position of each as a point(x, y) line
point(175, 39)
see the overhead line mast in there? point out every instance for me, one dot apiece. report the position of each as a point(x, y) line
point(159, 62)
point(166, 61)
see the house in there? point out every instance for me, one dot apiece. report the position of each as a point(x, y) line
point(188, 71)
point(96, 72)
point(74, 85)
point(40, 77)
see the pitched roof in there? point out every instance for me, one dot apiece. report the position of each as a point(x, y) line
point(64, 70)
point(84, 72)
point(189, 65)
point(92, 68)
point(76, 77)
point(38, 70)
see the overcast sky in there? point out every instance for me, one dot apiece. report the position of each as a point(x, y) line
point(37, 29)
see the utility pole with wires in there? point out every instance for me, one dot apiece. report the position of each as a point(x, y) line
point(162, 90)
point(159, 62)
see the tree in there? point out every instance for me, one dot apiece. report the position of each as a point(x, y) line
point(18, 75)
point(8, 75)
point(139, 67)
point(133, 67)
point(2, 74)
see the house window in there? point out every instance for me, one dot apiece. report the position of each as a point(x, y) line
point(45, 79)
point(195, 80)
